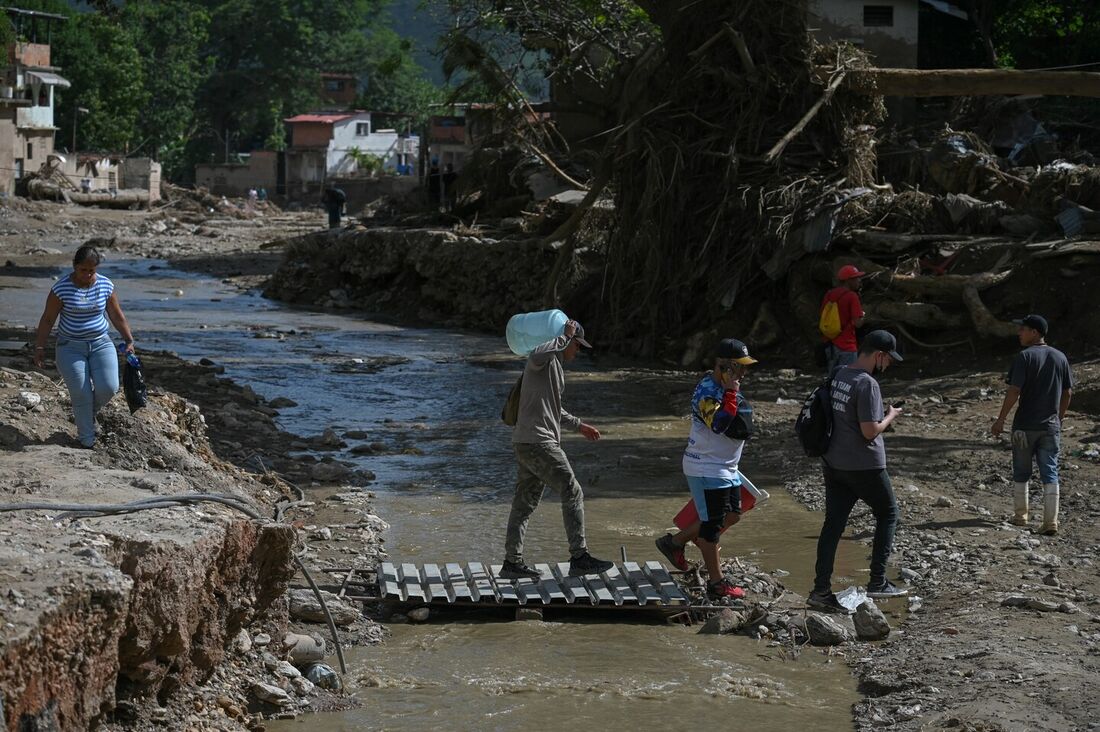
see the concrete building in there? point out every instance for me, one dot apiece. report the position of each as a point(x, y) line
point(260, 169)
point(887, 29)
point(28, 78)
point(327, 144)
point(339, 90)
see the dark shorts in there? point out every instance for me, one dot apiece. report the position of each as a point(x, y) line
point(714, 497)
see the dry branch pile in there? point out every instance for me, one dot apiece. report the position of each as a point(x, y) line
point(741, 145)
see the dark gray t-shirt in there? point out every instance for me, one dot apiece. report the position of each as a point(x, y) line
point(856, 398)
point(1042, 373)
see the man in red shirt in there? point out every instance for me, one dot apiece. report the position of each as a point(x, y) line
point(842, 349)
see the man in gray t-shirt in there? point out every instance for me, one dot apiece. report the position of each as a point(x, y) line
point(855, 469)
point(1041, 383)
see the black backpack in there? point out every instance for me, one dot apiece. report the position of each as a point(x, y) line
point(814, 425)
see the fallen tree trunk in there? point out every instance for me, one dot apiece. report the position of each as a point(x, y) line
point(984, 321)
point(972, 82)
point(946, 286)
point(122, 199)
point(918, 314)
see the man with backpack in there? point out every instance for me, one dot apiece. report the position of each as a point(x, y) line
point(841, 313)
point(854, 464)
point(536, 440)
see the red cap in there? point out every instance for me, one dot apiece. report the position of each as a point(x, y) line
point(849, 272)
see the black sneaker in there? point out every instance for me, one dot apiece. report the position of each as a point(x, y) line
point(588, 564)
point(886, 588)
point(673, 552)
point(826, 601)
point(517, 570)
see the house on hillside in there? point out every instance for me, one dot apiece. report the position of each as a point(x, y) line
point(339, 90)
point(889, 30)
point(327, 145)
point(27, 95)
point(458, 129)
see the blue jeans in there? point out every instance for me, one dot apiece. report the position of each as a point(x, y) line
point(842, 489)
point(836, 357)
point(1043, 447)
point(90, 370)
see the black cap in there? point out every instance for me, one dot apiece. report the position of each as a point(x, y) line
point(735, 351)
point(1038, 322)
point(881, 340)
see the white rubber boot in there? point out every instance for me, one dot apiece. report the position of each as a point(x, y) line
point(1019, 501)
point(1050, 510)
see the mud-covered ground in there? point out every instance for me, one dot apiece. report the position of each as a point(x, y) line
point(170, 617)
point(1003, 629)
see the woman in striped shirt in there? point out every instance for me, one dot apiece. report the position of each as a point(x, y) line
point(85, 355)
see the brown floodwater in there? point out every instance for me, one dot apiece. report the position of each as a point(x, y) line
point(444, 485)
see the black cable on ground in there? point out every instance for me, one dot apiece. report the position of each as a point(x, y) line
point(91, 510)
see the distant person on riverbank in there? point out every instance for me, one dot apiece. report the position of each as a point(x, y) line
point(855, 469)
point(1041, 382)
point(85, 300)
point(333, 199)
point(710, 462)
point(536, 440)
point(840, 314)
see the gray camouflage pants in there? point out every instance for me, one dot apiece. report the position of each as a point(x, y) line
point(544, 464)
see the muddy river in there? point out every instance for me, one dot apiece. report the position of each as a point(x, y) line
point(435, 396)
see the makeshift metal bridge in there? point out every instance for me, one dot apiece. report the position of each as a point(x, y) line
point(626, 586)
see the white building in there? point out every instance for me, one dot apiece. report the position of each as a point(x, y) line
point(340, 136)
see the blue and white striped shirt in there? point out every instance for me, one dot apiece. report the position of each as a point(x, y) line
point(83, 309)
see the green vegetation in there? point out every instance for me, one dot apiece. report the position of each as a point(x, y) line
point(197, 80)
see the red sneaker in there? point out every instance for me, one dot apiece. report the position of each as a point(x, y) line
point(673, 552)
point(724, 588)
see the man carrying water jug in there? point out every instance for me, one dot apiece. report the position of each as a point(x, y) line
point(541, 462)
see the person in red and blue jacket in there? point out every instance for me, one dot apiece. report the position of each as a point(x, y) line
point(710, 463)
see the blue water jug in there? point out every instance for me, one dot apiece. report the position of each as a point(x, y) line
point(527, 330)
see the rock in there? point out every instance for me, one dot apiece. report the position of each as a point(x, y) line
point(302, 685)
point(323, 675)
point(522, 613)
point(825, 630)
point(269, 660)
point(397, 619)
point(323, 534)
point(1015, 601)
point(270, 694)
point(304, 606)
point(287, 669)
point(329, 438)
point(910, 575)
point(1067, 607)
point(29, 399)
point(261, 639)
point(724, 621)
point(419, 615)
point(303, 649)
point(281, 403)
point(871, 624)
point(1044, 606)
point(1051, 581)
point(243, 642)
point(943, 502)
point(329, 472)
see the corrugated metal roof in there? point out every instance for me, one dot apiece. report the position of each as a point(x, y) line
point(327, 118)
point(45, 77)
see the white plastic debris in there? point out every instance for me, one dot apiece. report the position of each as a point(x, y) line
point(851, 598)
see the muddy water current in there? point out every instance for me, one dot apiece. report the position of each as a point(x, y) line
point(444, 484)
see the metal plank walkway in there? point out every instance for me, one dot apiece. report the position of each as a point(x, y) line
point(626, 586)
